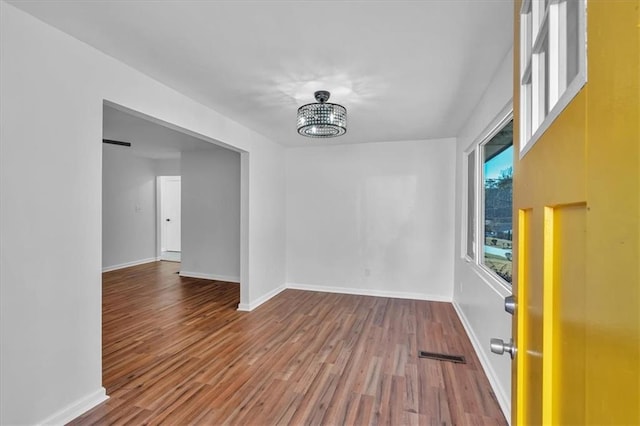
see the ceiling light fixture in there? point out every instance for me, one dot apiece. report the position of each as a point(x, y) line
point(322, 119)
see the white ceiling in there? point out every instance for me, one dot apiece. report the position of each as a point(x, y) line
point(405, 70)
point(148, 139)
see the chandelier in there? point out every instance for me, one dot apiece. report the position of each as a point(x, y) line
point(322, 119)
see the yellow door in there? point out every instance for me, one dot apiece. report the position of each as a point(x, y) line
point(577, 206)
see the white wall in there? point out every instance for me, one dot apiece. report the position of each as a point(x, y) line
point(128, 208)
point(479, 303)
point(372, 218)
point(211, 214)
point(53, 87)
point(167, 167)
point(266, 226)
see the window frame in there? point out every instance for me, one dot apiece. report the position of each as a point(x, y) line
point(541, 26)
point(465, 226)
point(487, 274)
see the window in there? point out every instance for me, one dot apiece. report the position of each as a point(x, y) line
point(488, 228)
point(552, 62)
point(497, 180)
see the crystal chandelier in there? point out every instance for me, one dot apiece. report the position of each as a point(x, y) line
point(322, 119)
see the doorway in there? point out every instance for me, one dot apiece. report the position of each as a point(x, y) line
point(157, 148)
point(169, 217)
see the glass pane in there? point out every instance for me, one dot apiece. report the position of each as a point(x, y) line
point(526, 40)
point(537, 12)
point(471, 196)
point(498, 193)
point(547, 77)
point(529, 107)
point(540, 83)
point(573, 16)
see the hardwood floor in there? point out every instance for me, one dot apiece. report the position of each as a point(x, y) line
point(176, 351)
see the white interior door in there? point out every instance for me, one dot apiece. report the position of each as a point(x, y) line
point(170, 213)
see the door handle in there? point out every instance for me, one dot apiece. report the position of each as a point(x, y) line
point(510, 304)
point(168, 220)
point(498, 346)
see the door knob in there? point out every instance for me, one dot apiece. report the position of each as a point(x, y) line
point(168, 220)
point(510, 304)
point(498, 346)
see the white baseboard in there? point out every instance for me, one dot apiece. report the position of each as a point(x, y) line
point(76, 409)
point(501, 395)
point(128, 264)
point(369, 292)
point(213, 277)
point(247, 307)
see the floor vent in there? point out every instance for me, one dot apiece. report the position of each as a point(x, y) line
point(458, 359)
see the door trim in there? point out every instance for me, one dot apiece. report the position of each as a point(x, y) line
point(159, 185)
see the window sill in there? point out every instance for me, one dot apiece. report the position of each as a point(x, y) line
point(495, 283)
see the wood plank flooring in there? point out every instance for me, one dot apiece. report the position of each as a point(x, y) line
point(176, 351)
